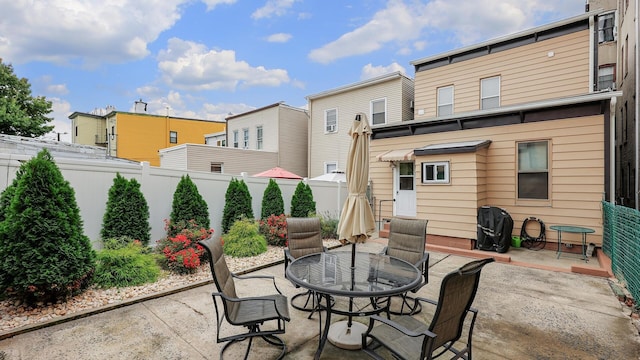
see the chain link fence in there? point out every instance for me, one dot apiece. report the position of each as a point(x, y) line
point(621, 242)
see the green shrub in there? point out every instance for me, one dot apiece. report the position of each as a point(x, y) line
point(329, 227)
point(126, 266)
point(237, 204)
point(45, 255)
point(188, 204)
point(117, 242)
point(244, 239)
point(274, 229)
point(272, 203)
point(127, 211)
point(181, 253)
point(302, 204)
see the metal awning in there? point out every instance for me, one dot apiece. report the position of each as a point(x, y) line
point(453, 147)
point(396, 155)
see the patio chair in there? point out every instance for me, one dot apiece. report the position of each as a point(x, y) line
point(304, 238)
point(407, 240)
point(249, 312)
point(407, 337)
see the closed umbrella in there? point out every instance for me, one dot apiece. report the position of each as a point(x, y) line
point(356, 220)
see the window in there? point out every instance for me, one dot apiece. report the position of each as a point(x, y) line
point(379, 112)
point(405, 176)
point(606, 77)
point(173, 137)
point(626, 58)
point(445, 100)
point(76, 131)
point(330, 121)
point(235, 138)
point(435, 172)
point(490, 93)
point(533, 170)
point(259, 137)
point(245, 138)
point(606, 27)
point(216, 168)
point(221, 142)
point(330, 167)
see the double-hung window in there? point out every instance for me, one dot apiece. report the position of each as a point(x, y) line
point(173, 137)
point(533, 170)
point(235, 138)
point(331, 121)
point(607, 27)
point(379, 112)
point(490, 93)
point(606, 76)
point(245, 138)
point(445, 100)
point(259, 138)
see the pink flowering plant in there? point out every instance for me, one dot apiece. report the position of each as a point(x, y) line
point(182, 254)
point(274, 229)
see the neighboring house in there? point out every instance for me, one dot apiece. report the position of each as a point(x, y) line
point(138, 136)
point(257, 140)
point(515, 122)
point(216, 139)
point(385, 99)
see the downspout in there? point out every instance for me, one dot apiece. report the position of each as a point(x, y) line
point(309, 137)
point(612, 150)
point(594, 47)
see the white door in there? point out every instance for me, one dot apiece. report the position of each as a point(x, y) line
point(404, 185)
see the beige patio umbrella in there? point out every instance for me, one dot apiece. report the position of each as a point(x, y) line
point(356, 222)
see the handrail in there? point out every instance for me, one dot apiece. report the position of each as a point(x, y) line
point(380, 211)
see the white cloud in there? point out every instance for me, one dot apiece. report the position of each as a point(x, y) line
point(192, 66)
point(279, 37)
point(369, 71)
point(62, 31)
point(462, 22)
point(61, 122)
point(211, 4)
point(273, 8)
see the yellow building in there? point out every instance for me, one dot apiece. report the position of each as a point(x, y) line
point(139, 136)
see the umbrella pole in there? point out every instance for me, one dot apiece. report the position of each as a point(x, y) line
point(353, 269)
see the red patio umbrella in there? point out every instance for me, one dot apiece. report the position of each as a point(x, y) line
point(278, 173)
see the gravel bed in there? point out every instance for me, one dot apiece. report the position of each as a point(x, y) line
point(14, 314)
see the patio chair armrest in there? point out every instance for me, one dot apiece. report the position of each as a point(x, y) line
point(396, 326)
point(424, 261)
point(384, 251)
point(428, 301)
point(251, 298)
point(265, 277)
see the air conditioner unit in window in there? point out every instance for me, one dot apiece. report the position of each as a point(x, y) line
point(331, 128)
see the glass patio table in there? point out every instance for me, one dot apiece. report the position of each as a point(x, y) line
point(373, 276)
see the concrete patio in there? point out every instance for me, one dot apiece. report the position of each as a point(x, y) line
point(525, 312)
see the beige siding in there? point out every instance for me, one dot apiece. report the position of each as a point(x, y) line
point(175, 158)
point(488, 177)
point(293, 140)
point(88, 128)
point(235, 161)
point(527, 74)
point(267, 118)
point(334, 147)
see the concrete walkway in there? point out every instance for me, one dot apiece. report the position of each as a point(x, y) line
point(524, 313)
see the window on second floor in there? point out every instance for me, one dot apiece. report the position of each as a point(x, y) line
point(533, 170)
point(445, 100)
point(173, 137)
point(606, 27)
point(490, 93)
point(379, 112)
point(606, 76)
point(245, 138)
point(235, 138)
point(259, 138)
point(331, 121)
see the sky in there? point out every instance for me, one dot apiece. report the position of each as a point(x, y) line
point(206, 59)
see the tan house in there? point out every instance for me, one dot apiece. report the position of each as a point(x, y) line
point(257, 140)
point(515, 122)
point(387, 99)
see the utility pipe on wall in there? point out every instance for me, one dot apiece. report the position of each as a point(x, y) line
point(612, 149)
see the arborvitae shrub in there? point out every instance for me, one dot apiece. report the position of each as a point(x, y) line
point(130, 265)
point(127, 211)
point(188, 205)
point(302, 204)
point(45, 255)
point(272, 203)
point(237, 203)
point(243, 239)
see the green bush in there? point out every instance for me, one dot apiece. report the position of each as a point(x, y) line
point(127, 211)
point(237, 204)
point(272, 203)
point(117, 242)
point(302, 204)
point(188, 205)
point(329, 227)
point(244, 239)
point(45, 255)
point(126, 266)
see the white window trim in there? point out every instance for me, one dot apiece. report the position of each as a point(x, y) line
point(438, 100)
point(385, 110)
point(245, 138)
point(482, 97)
point(326, 126)
point(446, 179)
point(327, 163)
point(259, 137)
point(236, 139)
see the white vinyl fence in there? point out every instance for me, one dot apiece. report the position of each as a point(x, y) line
point(91, 180)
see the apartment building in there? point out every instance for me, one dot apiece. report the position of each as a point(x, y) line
point(387, 99)
point(517, 122)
